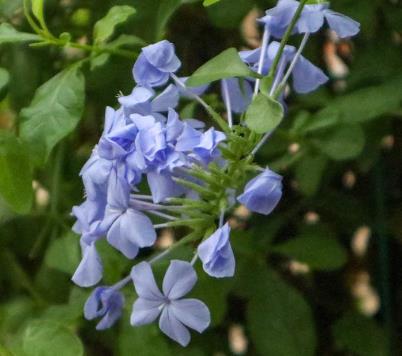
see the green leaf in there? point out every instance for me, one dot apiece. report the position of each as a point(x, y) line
point(210, 2)
point(145, 341)
point(316, 247)
point(280, 321)
point(4, 80)
point(228, 14)
point(309, 171)
point(342, 142)
point(54, 112)
point(63, 254)
point(46, 338)
point(8, 34)
point(15, 174)
point(37, 9)
point(105, 27)
point(264, 114)
point(225, 65)
point(360, 335)
point(213, 292)
point(366, 104)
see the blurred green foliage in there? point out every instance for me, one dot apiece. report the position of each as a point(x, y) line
point(339, 150)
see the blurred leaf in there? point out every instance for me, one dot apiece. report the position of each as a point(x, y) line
point(341, 142)
point(54, 112)
point(8, 34)
point(121, 41)
point(316, 247)
point(152, 17)
point(360, 335)
point(37, 9)
point(4, 80)
point(15, 173)
point(105, 27)
point(365, 104)
point(280, 320)
point(113, 263)
point(14, 313)
point(63, 254)
point(225, 65)
point(264, 114)
point(45, 338)
point(146, 340)
point(210, 2)
point(213, 292)
point(229, 13)
point(4, 351)
point(309, 171)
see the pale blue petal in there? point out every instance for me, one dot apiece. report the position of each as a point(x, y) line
point(192, 313)
point(162, 56)
point(89, 271)
point(174, 126)
point(262, 193)
point(173, 328)
point(144, 282)
point(147, 75)
point(344, 26)
point(217, 255)
point(169, 98)
point(240, 94)
point(188, 139)
point(307, 77)
point(311, 20)
point(162, 186)
point(179, 279)
point(145, 311)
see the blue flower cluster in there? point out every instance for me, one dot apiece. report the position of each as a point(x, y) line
point(146, 138)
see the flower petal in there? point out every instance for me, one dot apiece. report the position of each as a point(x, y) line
point(179, 279)
point(169, 98)
point(173, 328)
point(192, 313)
point(89, 271)
point(162, 186)
point(145, 311)
point(344, 26)
point(307, 77)
point(144, 282)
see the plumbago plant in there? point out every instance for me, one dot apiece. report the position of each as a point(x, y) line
point(195, 175)
point(154, 169)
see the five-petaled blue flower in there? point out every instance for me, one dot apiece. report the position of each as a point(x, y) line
point(104, 302)
point(311, 19)
point(176, 314)
point(216, 254)
point(263, 193)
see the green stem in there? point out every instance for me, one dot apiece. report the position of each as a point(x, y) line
point(30, 20)
point(21, 276)
point(92, 48)
point(286, 38)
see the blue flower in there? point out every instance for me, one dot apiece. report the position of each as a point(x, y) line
point(176, 314)
point(128, 230)
point(311, 19)
point(240, 94)
point(262, 194)
point(155, 63)
point(104, 302)
point(216, 254)
point(306, 76)
point(89, 271)
point(207, 149)
point(142, 101)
